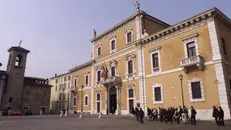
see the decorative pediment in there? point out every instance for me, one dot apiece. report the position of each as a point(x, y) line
point(113, 63)
point(99, 67)
point(131, 86)
point(130, 57)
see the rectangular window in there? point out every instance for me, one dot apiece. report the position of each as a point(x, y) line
point(98, 97)
point(65, 79)
point(130, 67)
point(60, 96)
point(112, 71)
point(69, 78)
point(196, 90)
point(113, 45)
point(69, 85)
point(56, 87)
point(56, 81)
point(68, 96)
point(86, 80)
point(129, 37)
point(76, 82)
point(86, 101)
point(155, 62)
point(74, 101)
point(64, 97)
point(60, 87)
point(98, 76)
point(223, 46)
point(99, 51)
point(157, 91)
point(64, 86)
point(191, 49)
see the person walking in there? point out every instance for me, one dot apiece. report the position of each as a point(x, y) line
point(215, 114)
point(177, 116)
point(149, 113)
point(137, 113)
point(141, 114)
point(193, 116)
point(221, 116)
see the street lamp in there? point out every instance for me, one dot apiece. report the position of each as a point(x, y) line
point(182, 91)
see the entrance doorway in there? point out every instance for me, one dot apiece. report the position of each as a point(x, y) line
point(130, 99)
point(98, 102)
point(112, 99)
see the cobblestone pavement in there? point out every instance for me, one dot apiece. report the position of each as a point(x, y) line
point(93, 123)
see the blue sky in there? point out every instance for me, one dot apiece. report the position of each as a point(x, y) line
point(58, 32)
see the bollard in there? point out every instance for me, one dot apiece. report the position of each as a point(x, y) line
point(0, 115)
point(100, 114)
point(61, 113)
point(81, 115)
point(65, 113)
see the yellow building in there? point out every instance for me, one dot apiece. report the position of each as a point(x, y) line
point(138, 63)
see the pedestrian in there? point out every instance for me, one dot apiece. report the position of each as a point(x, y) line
point(193, 116)
point(215, 115)
point(141, 114)
point(177, 116)
point(155, 114)
point(221, 116)
point(137, 113)
point(149, 113)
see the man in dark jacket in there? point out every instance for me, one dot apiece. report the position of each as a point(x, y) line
point(193, 116)
point(137, 113)
point(221, 116)
point(141, 114)
point(215, 114)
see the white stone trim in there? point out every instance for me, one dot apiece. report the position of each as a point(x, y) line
point(128, 31)
point(131, 86)
point(220, 75)
point(159, 61)
point(87, 75)
point(99, 46)
point(202, 99)
point(153, 93)
point(85, 105)
point(74, 103)
point(188, 39)
point(114, 38)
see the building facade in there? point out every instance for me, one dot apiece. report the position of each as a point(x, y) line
point(18, 92)
point(60, 92)
point(138, 63)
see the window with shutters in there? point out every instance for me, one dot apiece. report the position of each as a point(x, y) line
point(191, 49)
point(157, 94)
point(196, 90)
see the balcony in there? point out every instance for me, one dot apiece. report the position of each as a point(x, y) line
point(74, 89)
point(197, 61)
point(114, 80)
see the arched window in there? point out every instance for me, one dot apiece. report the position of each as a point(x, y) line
point(18, 60)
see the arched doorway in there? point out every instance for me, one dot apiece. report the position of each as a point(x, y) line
point(112, 97)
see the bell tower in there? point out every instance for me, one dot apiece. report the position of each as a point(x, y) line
point(16, 72)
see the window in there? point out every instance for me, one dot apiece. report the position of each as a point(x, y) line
point(86, 100)
point(157, 94)
point(56, 87)
point(99, 51)
point(69, 85)
point(87, 80)
point(10, 99)
point(223, 46)
point(130, 93)
point(130, 67)
point(56, 81)
point(69, 78)
point(68, 96)
point(74, 101)
point(129, 37)
point(18, 60)
point(155, 60)
point(98, 97)
point(65, 79)
point(76, 82)
point(64, 97)
point(113, 45)
point(60, 96)
point(112, 71)
point(98, 76)
point(191, 49)
point(64, 86)
point(196, 90)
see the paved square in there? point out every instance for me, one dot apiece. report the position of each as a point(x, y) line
point(93, 123)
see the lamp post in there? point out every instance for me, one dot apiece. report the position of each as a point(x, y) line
point(182, 91)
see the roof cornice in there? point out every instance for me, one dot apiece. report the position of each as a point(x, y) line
point(186, 23)
point(84, 65)
point(131, 18)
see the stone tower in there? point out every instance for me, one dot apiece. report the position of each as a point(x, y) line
point(15, 71)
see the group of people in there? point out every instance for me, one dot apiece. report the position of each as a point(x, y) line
point(172, 114)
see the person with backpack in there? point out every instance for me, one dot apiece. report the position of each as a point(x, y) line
point(193, 116)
